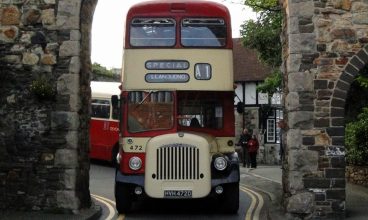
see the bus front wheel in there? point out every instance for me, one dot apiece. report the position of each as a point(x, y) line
point(114, 153)
point(123, 197)
point(231, 198)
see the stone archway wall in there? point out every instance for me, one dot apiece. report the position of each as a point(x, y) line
point(44, 163)
point(325, 46)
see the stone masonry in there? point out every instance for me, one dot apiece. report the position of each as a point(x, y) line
point(45, 73)
point(44, 95)
point(325, 47)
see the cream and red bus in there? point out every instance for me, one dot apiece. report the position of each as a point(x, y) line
point(104, 123)
point(177, 123)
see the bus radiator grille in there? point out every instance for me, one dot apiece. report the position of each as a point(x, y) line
point(177, 162)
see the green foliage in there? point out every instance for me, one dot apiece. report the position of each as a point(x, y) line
point(356, 100)
point(101, 71)
point(272, 84)
point(262, 5)
point(363, 77)
point(363, 80)
point(356, 140)
point(263, 34)
point(42, 89)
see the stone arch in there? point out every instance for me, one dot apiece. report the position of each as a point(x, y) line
point(325, 46)
point(351, 71)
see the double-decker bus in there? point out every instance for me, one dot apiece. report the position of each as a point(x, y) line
point(177, 124)
point(104, 123)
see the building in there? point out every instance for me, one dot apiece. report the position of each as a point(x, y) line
point(259, 115)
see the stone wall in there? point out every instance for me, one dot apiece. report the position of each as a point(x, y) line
point(44, 96)
point(325, 46)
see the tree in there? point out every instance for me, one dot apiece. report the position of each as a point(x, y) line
point(100, 72)
point(356, 139)
point(363, 77)
point(97, 69)
point(263, 35)
point(356, 131)
point(271, 84)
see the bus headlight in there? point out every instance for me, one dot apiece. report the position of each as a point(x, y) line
point(220, 163)
point(135, 163)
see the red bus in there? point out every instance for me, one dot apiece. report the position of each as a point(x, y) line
point(104, 123)
point(177, 119)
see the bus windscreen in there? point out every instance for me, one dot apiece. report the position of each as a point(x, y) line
point(203, 32)
point(152, 32)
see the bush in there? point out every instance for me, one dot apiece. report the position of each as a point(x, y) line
point(356, 140)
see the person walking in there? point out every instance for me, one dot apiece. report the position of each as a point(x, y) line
point(243, 142)
point(253, 146)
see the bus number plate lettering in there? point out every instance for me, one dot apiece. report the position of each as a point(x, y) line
point(178, 193)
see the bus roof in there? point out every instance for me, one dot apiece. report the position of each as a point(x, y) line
point(182, 7)
point(105, 89)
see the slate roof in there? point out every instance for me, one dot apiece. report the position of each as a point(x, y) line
point(247, 67)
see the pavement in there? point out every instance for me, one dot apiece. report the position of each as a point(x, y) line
point(264, 179)
point(267, 180)
point(93, 213)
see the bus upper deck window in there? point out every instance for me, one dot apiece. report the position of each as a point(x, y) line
point(203, 32)
point(152, 32)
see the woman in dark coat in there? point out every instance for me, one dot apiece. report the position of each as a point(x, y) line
point(243, 142)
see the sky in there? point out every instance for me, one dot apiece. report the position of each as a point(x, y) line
point(108, 28)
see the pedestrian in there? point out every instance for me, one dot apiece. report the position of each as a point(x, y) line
point(243, 142)
point(253, 146)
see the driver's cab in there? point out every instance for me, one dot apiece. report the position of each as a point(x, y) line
point(175, 111)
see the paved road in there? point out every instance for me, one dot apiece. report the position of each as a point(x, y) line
point(252, 202)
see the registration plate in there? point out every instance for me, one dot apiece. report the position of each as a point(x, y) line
point(178, 193)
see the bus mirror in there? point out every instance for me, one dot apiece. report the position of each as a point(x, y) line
point(114, 100)
point(240, 107)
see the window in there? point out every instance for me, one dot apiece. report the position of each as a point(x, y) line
point(238, 93)
point(149, 111)
point(276, 98)
point(203, 32)
point(273, 131)
point(250, 94)
point(200, 112)
point(152, 32)
point(100, 108)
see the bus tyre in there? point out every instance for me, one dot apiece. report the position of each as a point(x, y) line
point(123, 197)
point(114, 153)
point(231, 198)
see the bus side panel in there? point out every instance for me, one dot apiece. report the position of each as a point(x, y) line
point(104, 136)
